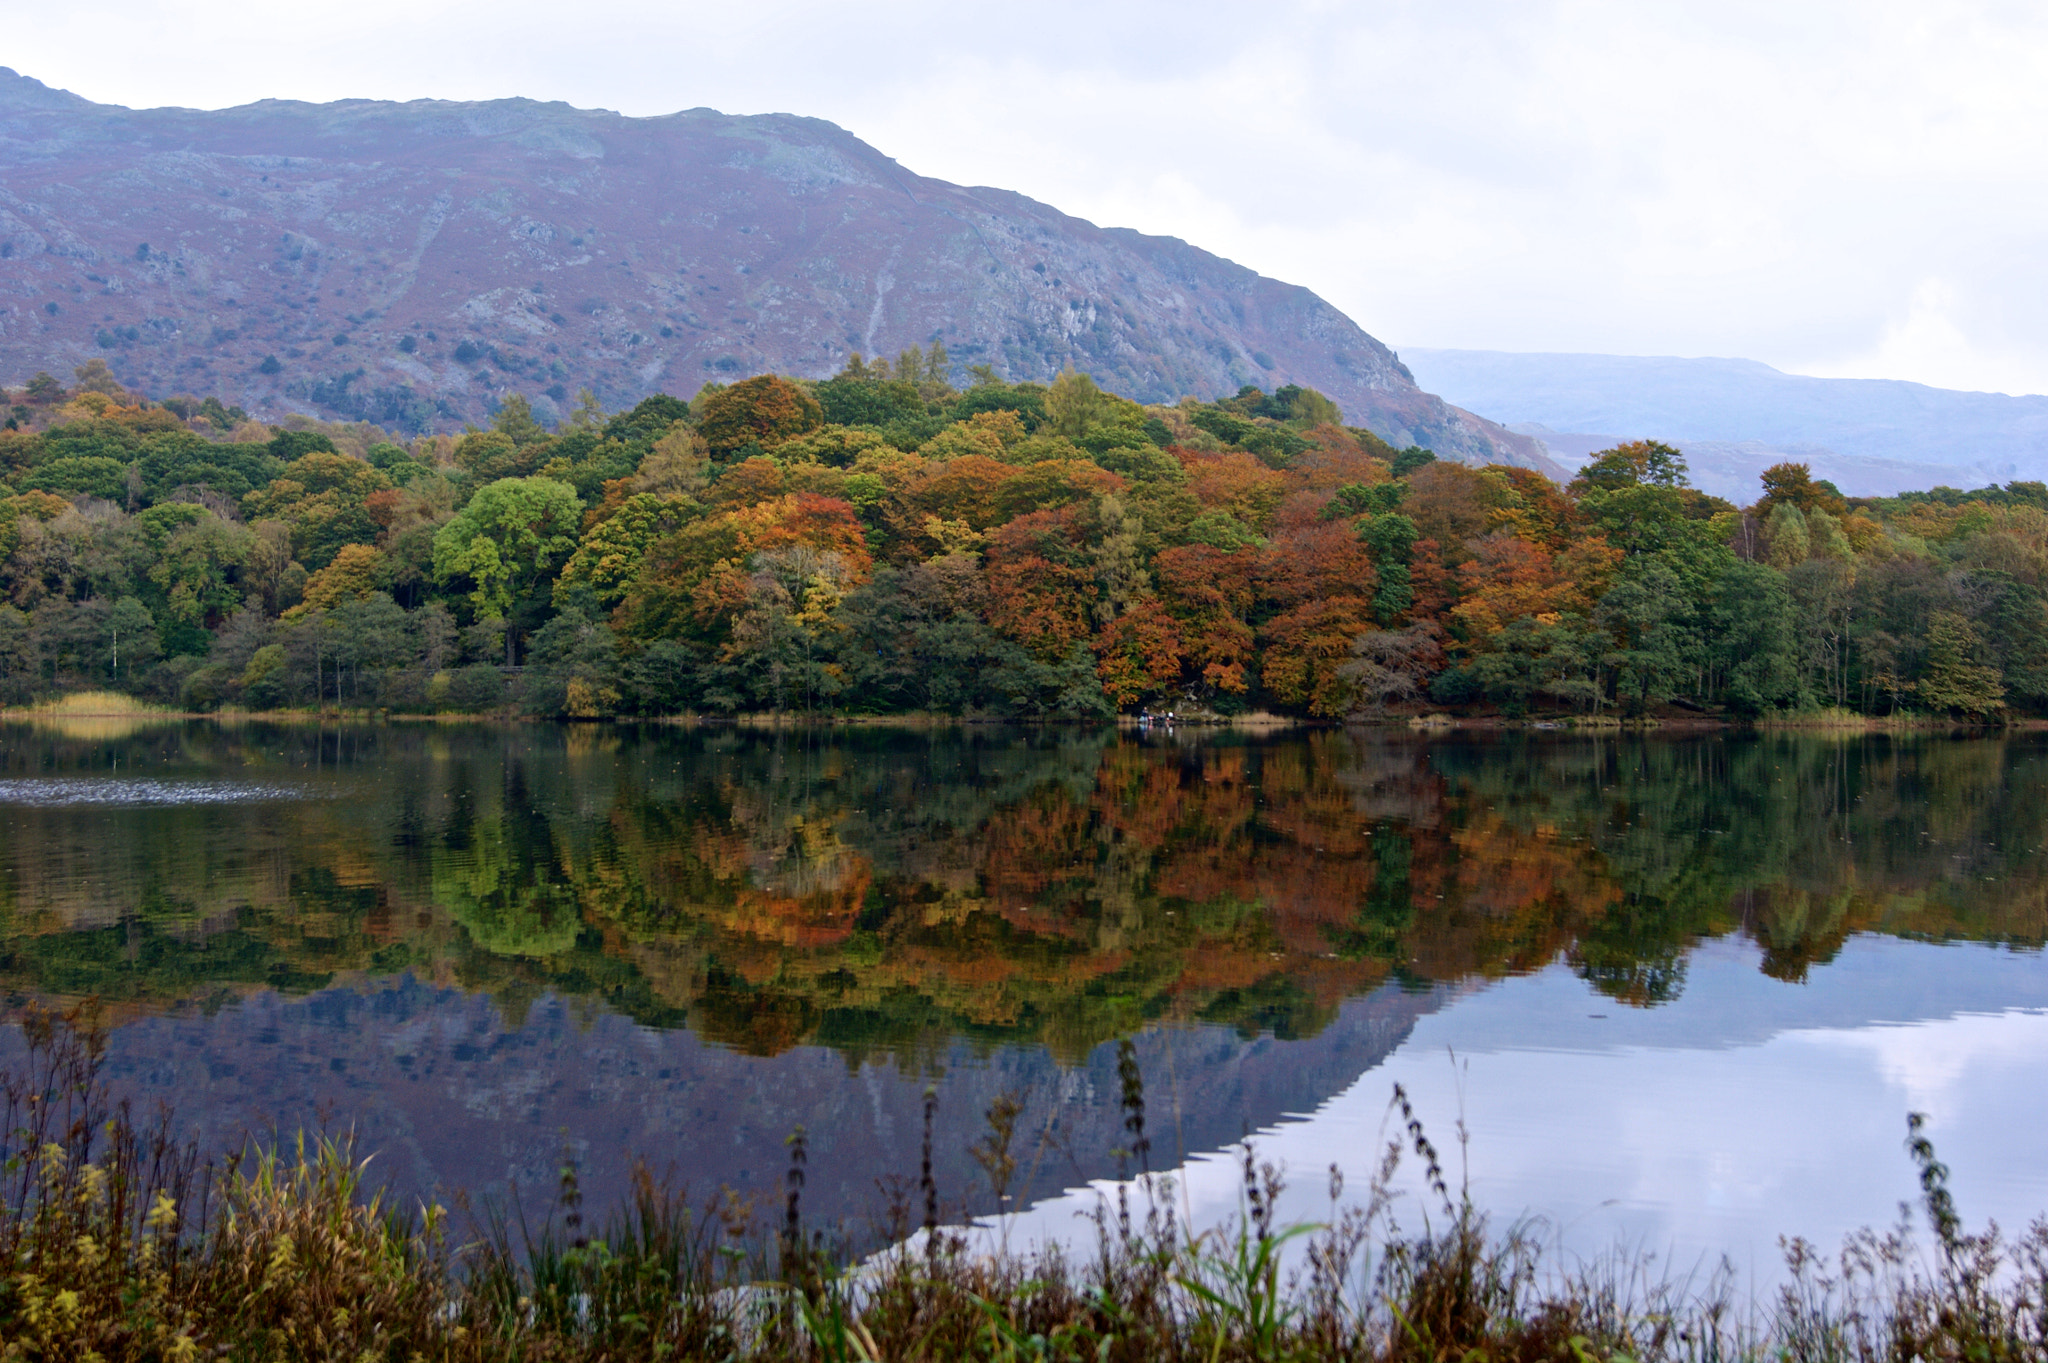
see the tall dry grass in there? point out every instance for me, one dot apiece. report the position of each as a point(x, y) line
point(118, 1243)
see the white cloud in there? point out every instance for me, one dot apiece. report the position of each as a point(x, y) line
point(1770, 180)
point(1932, 343)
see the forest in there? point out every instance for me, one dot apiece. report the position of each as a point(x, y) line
point(884, 541)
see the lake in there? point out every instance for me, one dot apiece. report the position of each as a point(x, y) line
point(1682, 991)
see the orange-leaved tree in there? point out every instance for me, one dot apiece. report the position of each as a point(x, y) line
point(1041, 582)
point(1210, 594)
point(1138, 654)
point(765, 410)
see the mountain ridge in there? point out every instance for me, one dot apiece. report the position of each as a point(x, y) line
point(1878, 434)
point(412, 262)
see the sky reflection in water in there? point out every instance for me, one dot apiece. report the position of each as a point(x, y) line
point(1742, 1112)
point(1677, 973)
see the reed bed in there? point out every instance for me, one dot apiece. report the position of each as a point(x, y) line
point(118, 1243)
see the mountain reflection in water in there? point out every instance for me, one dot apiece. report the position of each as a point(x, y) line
point(478, 945)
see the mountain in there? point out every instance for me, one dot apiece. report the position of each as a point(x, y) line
point(407, 263)
point(1736, 417)
point(1732, 468)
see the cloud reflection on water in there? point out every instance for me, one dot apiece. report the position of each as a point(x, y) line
point(1708, 1128)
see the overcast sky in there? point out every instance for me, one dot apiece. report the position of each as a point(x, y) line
point(1835, 188)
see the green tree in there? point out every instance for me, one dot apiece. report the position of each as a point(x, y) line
point(609, 558)
point(371, 636)
point(266, 678)
point(1074, 406)
point(856, 399)
point(1653, 647)
point(573, 667)
point(1952, 679)
point(506, 541)
point(87, 475)
point(487, 456)
point(131, 638)
point(1756, 639)
point(199, 569)
point(1391, 537)
point(1638, 463)
point(18, 664)
point(1786, 535)
point(515, 420)
point(1409, 460)
point(1530, 657)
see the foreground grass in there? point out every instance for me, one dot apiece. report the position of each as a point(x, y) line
point(116, 1243)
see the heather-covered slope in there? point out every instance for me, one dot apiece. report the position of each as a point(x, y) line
point(407, 262)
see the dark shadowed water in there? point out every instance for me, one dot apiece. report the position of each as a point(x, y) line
point(1683, 991)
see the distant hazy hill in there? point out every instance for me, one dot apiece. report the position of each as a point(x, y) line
point(1736, 417)
point(407, 262)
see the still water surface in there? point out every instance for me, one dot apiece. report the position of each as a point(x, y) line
point(1682, 991)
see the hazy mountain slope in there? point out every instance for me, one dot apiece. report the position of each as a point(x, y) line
point(1731, 468)
point(568, 247)
point(1877, 429)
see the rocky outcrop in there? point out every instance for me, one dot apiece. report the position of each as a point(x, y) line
point(407, 263)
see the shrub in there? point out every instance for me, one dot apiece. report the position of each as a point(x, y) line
point(476, 687)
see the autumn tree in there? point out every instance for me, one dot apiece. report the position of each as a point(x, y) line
point(1042, 583)
point(693, 579)
point(1793, 485)
point(1138, 653)
point(1307, 649)
point(1210, 593)
point(609, 556)
point(1388, 667)
point(323, 497)
point(1635, 463)
point(94, 377)
point(356, 571)
point(765, 410)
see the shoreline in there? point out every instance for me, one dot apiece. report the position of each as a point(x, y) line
point(1254, 722)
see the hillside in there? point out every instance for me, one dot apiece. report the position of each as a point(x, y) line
point(408, 263)
point(1734, 418)
point(1732, 468)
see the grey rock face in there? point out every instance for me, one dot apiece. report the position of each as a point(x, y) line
point(407, 263)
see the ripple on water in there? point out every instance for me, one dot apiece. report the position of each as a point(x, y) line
point(57, 793)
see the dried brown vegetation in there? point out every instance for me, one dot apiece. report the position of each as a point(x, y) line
point(120, 1244)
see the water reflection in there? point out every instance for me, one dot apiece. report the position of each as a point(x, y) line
point(605, 922)
point(1744, 1112)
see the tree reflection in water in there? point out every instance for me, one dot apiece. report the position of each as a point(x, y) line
point(912, 898)
point(882, 890)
